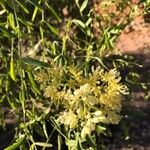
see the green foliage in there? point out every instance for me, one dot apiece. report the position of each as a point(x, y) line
point(55, 69)
point(17, 144)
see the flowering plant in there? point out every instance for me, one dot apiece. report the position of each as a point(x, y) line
point(86, 101)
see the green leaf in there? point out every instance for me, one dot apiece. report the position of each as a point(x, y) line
point(59, 141)
point(33, 83)
point(12, 70)
point(6, 33)
point(33, 2)
point(91, 142)
point(38, 129)
point(83, 6)
point(82, 26)
point(79, 23)
point(100, 61)
point(42, 144)
point(41, 31)
point(34, 62)
point(23, 6)
point(52, 29)
point(100, 129)
point(28, 24)
point(88, 21)
point(77, 3)
point(53, 12)
point(57, 127)
point(17, 144)
point(3, 24)
point(22, 98)
point(11, 21)
point(35, 12)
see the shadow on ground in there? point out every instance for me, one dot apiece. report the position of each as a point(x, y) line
point(133, 132)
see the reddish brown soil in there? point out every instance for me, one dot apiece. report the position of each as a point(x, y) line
point(135, 38)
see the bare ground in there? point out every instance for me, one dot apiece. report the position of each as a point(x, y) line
point(133, 132)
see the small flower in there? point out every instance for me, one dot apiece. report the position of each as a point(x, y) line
point(87, 129)
point(42, 76)
point(50, 91)
point(69, 119)
point(98, 113)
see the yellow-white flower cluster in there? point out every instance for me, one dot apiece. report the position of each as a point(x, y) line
point(85, 101)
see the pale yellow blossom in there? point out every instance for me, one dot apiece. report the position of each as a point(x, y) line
point(86, 101)
point(69, 119)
